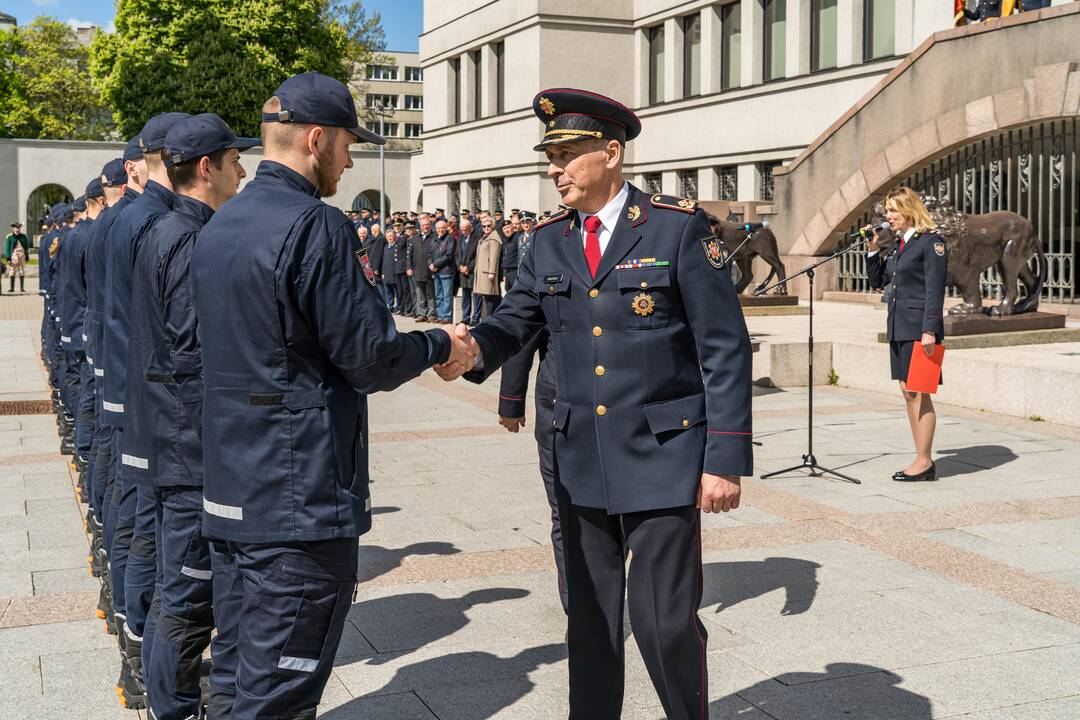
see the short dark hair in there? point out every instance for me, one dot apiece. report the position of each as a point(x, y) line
point(183, 176)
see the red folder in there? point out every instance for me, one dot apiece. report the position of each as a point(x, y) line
point(924, 374)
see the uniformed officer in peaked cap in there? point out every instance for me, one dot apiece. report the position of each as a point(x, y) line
point(293, 336)
point(652, 414)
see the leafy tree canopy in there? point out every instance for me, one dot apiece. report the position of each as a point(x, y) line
point(223, 56)
point(45, 85)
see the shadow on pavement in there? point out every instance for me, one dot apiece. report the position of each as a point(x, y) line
point(457, 677)
point(962, 461)
point(851, 691)
point(398, 624)
point(375, 560)
point(726, 584)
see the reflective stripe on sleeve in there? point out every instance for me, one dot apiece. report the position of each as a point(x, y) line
point(112, 407)
point(65, 338)
point(230, 512)
point(299, 664)
point(134, 461)
point(196, 573)
point(99, 372)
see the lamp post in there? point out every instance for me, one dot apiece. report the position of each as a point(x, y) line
point(382, 113)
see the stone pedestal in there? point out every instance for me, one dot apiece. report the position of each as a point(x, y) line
point(957, 325)
point(771, 305)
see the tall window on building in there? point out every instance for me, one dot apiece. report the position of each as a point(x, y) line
point(654, 183)
point(879, 29)
point(765, 173)
point(414, 130)
point(414, 102)
point(389, 129)
point(496, 194)
point(655, 36)
point(455, 199)
point(775, 39)
point(731, 46)
point(382, 72)
point(499, 51)
point(414, 74)
point(455, 89)
point(691, 55)
point(478, 84)
point(822, 34)
point(688, 183)
point(474, 195)
point(728, 182)
point(382, 101)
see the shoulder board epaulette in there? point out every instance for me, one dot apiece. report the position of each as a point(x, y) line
point(553, 219)
point(670, 202)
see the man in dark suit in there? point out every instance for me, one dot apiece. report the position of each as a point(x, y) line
point(652, 420)
point(466, 264)
point(420, 264)
point(443, 252)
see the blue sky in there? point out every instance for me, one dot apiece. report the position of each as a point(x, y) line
point(401, 18)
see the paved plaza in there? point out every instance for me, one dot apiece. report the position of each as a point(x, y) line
point(823, 600)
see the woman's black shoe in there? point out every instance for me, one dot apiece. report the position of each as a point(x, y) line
point(927, 475)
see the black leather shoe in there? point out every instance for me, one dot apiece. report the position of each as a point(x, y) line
point(928, 475)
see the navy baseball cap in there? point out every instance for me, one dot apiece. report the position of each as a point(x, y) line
point(571, 115)
point(93, 188)
point(316, 99)
point(152, 136)
point(200, 135)
point(79, 205)
point(132, 151)
point(60, 211)
point(113, 174)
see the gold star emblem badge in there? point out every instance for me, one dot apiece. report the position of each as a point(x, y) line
point(643, 304)
point(547, 106)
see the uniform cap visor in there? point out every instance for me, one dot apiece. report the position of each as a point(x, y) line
point(245, 143)
point(563, 141)
point(365, 135)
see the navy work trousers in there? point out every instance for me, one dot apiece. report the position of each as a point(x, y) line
point(295, 599)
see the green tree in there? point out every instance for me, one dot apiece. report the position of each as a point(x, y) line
point(45, 85)
point(224, 56)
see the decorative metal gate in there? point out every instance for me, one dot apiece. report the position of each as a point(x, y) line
point(1032, 172)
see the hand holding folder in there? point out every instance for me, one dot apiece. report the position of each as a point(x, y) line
point(924, 373)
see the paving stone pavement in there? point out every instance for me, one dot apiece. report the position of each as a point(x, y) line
point(823, 600)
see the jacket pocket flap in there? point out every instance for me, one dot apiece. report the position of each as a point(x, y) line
point(562, 415)
point(916, 305)
point(676, 414)
point(551, 283)
point(640, 278)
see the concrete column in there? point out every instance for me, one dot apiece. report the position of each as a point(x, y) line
point(849, 32)
point(468, 88)
point(708, 184)
point(905, 26)
point(753, 32)
point(487, 67)
point(673, 47)
point(798, 38)
point(748, 182)
point(711, 49)
point(670, 182)
point(641, 67)
point(487, 201)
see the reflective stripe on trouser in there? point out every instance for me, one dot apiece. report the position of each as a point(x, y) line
point(142, 562)
point(228, 601)
point(185, 617)
point(296, 597)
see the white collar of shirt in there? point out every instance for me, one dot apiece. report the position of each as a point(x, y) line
point(909, 234)
point(609, 216)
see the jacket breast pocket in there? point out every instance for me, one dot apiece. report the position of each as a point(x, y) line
point(644, 297)
point(553, 289)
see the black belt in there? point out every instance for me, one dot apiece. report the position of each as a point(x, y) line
point(296, 400)
point(165, 378)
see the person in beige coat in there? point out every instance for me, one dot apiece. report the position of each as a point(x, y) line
point(488, 255)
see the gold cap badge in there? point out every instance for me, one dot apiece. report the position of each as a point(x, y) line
point(547, 106)
point(643, 304)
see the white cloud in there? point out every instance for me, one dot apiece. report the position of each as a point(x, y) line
point(75, 24)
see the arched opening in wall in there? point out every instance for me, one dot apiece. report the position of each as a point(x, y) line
point(420, 201)
point(39, 203)
point(369, 200)
point(1032, 171)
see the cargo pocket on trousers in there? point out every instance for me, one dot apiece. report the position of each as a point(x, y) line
point(319, 612)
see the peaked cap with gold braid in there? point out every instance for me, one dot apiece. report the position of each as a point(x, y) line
point(570, 115)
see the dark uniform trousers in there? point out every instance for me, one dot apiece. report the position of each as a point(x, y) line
point(405, 294)
point(653, 376)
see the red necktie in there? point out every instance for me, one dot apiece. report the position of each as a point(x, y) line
point(900, 249)
point(592, 243)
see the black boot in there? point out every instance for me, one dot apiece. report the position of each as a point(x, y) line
point(22, 283)
point(83, 487)
point(133, 653)
point(104, 606)
point(130, 691)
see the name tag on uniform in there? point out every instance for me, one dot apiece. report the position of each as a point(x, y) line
point(552, 279)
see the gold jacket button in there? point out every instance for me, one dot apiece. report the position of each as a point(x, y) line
point(600, 370)
point(601, 410)
point(594, 292)
point(644, 284)
point(685, 423)
point(551, 288)
point(598, 331)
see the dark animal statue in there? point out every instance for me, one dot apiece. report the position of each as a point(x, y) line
point(1002, 240)
point(761, 242)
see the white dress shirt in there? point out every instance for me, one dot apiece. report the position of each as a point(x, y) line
point(609, 216)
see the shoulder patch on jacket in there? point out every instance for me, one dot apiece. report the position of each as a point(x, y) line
point(671, 202)
point(553, 219)
point(54, 247)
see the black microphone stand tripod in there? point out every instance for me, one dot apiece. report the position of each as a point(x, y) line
point(809, 462)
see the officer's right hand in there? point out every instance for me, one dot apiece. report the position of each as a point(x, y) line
point(512, 424)
point(463, 353)
point(409, 272)
point(874, 240)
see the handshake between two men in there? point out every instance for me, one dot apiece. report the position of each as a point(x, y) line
point(464, 352)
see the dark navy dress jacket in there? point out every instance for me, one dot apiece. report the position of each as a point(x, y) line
point(918, 278)
point(293, 337)
point(95, 279)
point(73, 279)
point(121, 249)
point(653, 360)
point(159, 428)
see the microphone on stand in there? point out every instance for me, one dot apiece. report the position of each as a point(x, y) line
point(862, 232)
point(752, 227)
